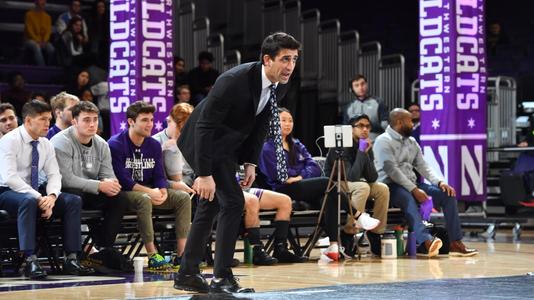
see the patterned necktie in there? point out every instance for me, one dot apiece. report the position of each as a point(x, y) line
point(276, 135)
point(35, 165)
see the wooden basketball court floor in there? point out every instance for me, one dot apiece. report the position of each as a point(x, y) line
point(500, 257)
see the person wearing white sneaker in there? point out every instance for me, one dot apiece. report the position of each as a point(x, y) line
point(362, 186)
point(397, 156)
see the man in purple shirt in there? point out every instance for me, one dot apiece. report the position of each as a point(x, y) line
point(138, 165)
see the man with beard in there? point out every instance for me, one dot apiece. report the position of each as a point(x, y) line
point(397, 155)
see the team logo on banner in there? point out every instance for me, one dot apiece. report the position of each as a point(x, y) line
point(141, 58)
point(453, 78)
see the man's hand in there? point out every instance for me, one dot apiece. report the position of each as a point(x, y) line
point(522, 144)
point(447, 189)
point(291, 180)
point(250, 176)
point(46, 214)
point(419, 195)
point(160, 200)
point(369, 145)
point(109, 187)
point(155, 196)
point(47, 202)
point(182, 186)
point(205, 187)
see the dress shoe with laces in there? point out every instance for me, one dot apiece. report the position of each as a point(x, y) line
point(457, 248)
point(284, 256)
point(430, 248)
point(227, 286)
point(72, 266)
point(33, 269)
point(261, 258)
point(192, 283)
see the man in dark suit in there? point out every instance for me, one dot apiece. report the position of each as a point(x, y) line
point(226, 129)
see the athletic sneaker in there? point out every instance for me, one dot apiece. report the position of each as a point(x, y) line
point(332, 252)
point(365, 221)
point(158, 262)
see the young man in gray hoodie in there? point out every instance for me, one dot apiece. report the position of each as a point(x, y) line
point(84, 161)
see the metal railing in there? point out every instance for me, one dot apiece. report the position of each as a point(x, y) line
point(328, 59)
point(349, 47)
point(232, 58)
point(186, 16)
point(273, 20)
point(370, 54)
point(291, 16)
point(391, 83)
point(309, 59)
point(502, 107)
point(216, 47)
point(201, 31)
point(252, 25)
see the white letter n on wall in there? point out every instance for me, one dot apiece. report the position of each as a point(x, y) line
point(431, 160)
point(469, 168)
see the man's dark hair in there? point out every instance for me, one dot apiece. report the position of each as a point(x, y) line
point(6, 106)
point(358, 117)
point(139, 107)
point(34, 108)
point(178, 58)
point(83, 106)
point(277, 41)
point(205, 55)
point(356, 78)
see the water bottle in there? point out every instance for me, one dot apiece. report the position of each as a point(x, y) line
point(399, 231)
point(411, 245)
point(248, 253)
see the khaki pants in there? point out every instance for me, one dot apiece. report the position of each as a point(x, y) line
point(177, 201)
point(360, 192)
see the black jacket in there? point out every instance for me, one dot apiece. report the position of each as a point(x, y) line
point(224, 125)
point(357, 164)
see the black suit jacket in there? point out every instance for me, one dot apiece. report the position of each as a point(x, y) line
point(224, 125)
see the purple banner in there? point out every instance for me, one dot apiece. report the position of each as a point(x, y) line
point(453, 77)
point(141, 59)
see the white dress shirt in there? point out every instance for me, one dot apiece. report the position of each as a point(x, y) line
point(265, 90)
point(16, 162)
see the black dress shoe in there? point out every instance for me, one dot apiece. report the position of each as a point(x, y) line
point(72, 266)
point(33, 270)
point(192, 283)
point(261, 258)
point(284, 256)
point(227, 286)
point(347, 242)
point(375, 241)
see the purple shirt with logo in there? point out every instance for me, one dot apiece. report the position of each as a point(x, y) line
point(133, 164)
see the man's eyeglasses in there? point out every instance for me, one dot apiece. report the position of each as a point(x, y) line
point(362, 126)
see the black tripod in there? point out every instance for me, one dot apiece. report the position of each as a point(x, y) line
point(339, 182)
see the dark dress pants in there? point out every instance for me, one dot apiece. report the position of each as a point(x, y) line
point(228, 206)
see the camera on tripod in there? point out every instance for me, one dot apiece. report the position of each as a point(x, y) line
point(338, 136)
